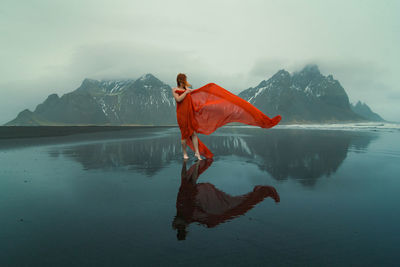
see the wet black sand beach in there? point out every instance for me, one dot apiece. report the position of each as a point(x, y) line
point(123, 197)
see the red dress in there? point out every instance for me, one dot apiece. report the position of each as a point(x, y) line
point(209, 107)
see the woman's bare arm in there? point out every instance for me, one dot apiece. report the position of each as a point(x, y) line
point(179, 98)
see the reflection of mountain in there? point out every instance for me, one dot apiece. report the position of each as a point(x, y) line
point(207, 205)
point(146, 155)
point(304, 155)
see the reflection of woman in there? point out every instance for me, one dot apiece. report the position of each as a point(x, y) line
point(209, 107)
point(205, 204)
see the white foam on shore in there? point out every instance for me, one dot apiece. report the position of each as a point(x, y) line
point(375, 126)
point(370, 126)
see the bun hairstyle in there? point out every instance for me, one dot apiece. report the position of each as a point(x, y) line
point(181, 80)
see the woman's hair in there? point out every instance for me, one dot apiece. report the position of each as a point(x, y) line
point(181, 79)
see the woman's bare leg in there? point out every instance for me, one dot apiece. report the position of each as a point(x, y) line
point(196, 145)
point(185, 155)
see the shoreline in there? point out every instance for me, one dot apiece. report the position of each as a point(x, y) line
point(18, 132)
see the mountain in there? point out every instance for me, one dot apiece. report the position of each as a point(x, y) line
point(146, 100)
point(365, 111)
point(302, 97)
point(306, 96)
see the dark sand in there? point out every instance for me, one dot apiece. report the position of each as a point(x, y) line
point(90, 196)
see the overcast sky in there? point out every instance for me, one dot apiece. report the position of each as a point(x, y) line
point(51, 46)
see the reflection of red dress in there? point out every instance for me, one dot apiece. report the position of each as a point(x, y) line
point(209, 107)
point(205, 204)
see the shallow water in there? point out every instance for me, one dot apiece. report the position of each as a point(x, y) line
point(278, 197)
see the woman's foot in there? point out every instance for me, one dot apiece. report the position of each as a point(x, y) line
point(198, 157)
point(185, 156)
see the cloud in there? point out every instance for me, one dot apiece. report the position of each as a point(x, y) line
point(114, 60)
point(50, 47)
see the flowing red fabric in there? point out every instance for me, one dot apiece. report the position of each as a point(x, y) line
point(209, 107)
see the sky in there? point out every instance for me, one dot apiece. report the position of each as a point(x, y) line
point(50, 46)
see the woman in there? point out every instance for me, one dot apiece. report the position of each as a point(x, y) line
point(184, 116)
point(207, 108)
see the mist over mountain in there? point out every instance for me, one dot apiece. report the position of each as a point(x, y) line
point(306, 96)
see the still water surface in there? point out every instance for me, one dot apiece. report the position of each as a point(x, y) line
point(277, 197)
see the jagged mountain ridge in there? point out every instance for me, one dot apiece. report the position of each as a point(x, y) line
point(304, 96)
point(365, 111)
point(146, 100)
